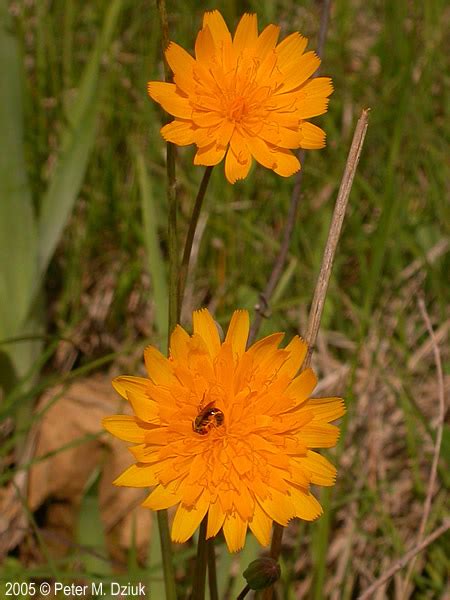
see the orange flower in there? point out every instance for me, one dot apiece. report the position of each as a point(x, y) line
point(227, 432)
point(243, 97)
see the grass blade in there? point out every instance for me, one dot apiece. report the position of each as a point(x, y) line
point(17, 223)
point(77, 143)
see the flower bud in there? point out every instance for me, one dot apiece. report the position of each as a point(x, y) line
point(262, 572)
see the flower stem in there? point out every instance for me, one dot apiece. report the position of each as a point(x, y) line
point(166, 553)
point(198, 585)
point(184, 268)
point(212, 574)
point(163, 520)
point(172, 240)
point(243, 593)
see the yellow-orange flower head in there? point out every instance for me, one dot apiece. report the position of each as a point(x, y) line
point(226, 432)
point(244, 97)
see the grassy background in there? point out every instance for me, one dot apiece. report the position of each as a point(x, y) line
point(102, 284)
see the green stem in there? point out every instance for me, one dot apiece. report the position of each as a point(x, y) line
point(163, 521)
point(198, 585)
point(166, 553)
point(183, 272)
point(172, 240)
point(275, 551)
point(212, 574)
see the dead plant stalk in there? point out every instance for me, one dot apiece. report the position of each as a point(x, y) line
point(323, 280)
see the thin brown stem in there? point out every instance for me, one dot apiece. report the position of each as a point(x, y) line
point(402, 562)
point(184, 268)
point(438, 441)
point(165, 38)
point(323, 27)
point(334, 233)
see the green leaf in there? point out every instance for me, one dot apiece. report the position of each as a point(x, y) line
point(18, 258)
point(77, 144)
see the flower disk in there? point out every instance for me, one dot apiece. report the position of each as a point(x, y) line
point(243, 97)
point(227, 432)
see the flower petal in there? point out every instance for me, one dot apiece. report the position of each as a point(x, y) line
point(234, 529)
point(238, 330)
point(290, 49)
point(162, 497)
point(179, 344)
point(205, 326)
point(244, 501)
point(264, 348)
point(308, 107)
point(297, 349)
point(170, 98)
point(237, 166)
point(261, 525)
point(129, 383)
point(179, 132)
point(298, 72)
point(286, 163)
point(125, 428)
point(261, 152)
point(312, 136)
point(319, 435)
point(267, 41)
point(204, 46)
point(182, 65)
point(187, 519)
point(137, 476)
point(146, 409)
point(325, 409)
point(319, 86)
point(210, 155)
point(302, 386)
point(306, 505)
point(216, 517)
point(219, 30)
point(246, 32)
point(318, 468)
point(158, 367)
point(279, 506)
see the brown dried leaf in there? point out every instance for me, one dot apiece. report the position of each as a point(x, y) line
point(69, 460)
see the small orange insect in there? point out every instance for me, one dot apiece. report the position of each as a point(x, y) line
point(207, 418)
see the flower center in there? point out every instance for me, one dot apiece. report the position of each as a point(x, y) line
point(236, 109)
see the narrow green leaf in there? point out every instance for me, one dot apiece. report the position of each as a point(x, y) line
point(18, 242)
point(77, 143)
point(17, 225)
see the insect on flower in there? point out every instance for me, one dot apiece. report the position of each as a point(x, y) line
point(207, 418)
